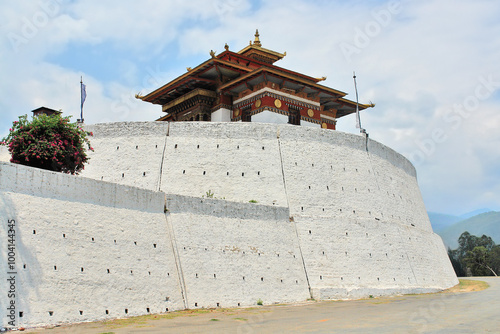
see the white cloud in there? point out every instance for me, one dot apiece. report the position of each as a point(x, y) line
point(416, 63)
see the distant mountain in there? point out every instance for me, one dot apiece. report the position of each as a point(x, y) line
point(440, 221)
point(474, 213)
point(485, 223)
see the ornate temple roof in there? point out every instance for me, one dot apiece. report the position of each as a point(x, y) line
point(231, 73)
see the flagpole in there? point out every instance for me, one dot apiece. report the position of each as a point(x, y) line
point(358, 118)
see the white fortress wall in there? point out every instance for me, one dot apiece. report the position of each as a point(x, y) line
point(233, 254)
point(85, 249)
point(360, 217)
point(333, 185)
point(235, 161)
point(127, 153)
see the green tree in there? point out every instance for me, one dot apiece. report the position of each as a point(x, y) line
point(479, 260)
point(476, 256)
point(48, 142)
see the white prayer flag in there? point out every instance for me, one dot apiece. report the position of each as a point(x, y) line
point(84, 93)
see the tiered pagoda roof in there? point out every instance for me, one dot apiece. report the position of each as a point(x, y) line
point(229, 76)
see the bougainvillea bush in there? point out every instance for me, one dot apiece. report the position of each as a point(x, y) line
point(48, 142)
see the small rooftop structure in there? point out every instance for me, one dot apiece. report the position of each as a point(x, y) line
point(45, 111)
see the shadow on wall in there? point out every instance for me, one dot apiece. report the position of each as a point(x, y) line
point(19, 274)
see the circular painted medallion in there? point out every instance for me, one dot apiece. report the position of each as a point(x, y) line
point(310, 113)
point(324, 125)
point(236, 112)
point(258, 103)
point(277, 103)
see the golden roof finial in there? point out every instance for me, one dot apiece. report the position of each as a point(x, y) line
point(226, 47)
point(212, 53)
point(257, 40)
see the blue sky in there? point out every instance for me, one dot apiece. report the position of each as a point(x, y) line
point(431, 67)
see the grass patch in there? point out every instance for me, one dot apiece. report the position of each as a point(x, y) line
point(242, 319)
point(142, 319)
point(213, 319)
point(467, 285)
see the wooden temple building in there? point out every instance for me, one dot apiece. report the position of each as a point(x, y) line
point(247, 86)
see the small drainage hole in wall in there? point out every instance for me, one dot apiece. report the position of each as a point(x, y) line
point(147, 309)
point(107, 311)
point(126, 311)
point(21, 314)
point(81, 312)
point(81, 269)
point(51, 313)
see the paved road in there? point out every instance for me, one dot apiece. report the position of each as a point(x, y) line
point(472, 312)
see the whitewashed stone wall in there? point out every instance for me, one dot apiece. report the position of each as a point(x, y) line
point(85, 249)
point(333, 183)
point(337, 216)
point(233, 254)
point(89, 250)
